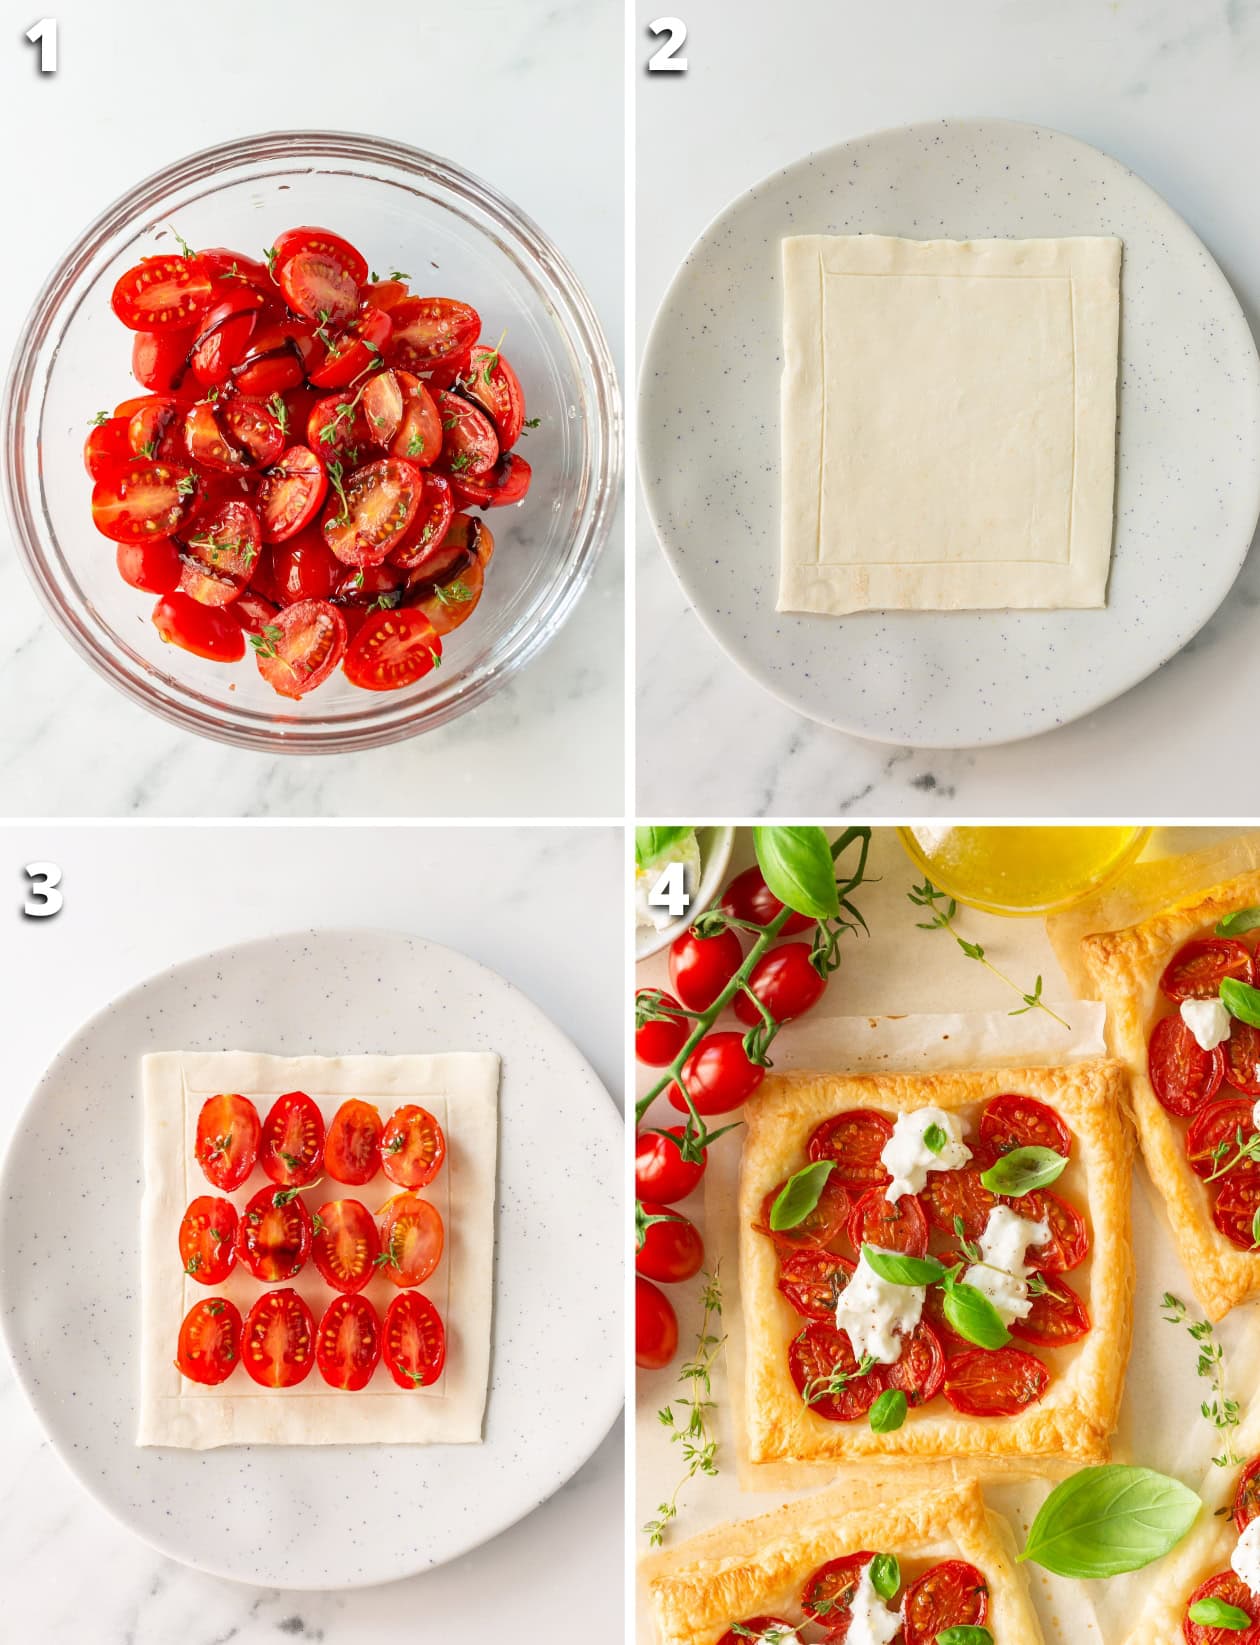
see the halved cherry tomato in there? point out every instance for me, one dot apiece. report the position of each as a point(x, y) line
point(755, 1628)
point(1012, 1121)
point(748, 897)
point(252, 428)
point(1229, 1589)
point(345, 1244)
point(660, 1171)
point(422, 544)
point(412, 1147)
point(380, 501)
point(273, 1235)
point(1183, 1075)
point(268, 374)
point(337, 428)
point(162, 294)
point(108, 446)
point(819, 1351)
point(672, 1250)
point(279, 1345)
point(363, 585)
point(445, 373)
point(448, 603)
point(655, 1326)
point(348, 1343)
point(159, 362)
point(899, 1227)
point(342, 357)
point(1068, 1245)
point(470, 447)
point(318, 286)
point(205, 630)
point(292, 1147)
point(303, 568)
point(920, 1371)
point(352, 1146)
point(717, 1076)
point(954, 1197)
point(418, 436)
point(1058, 1316)
point(701, 967)
point(209, 1341)
point(1247, 1496)
point(663, 1031)
point(224, 266)
point(496, 387)
point(500, 487)
point(997, 1382)
point(207, 1239)
point(827, 1596)
point(253, 612)
point(412, 1237)
point(221, 554)
point(384, 293)
point(415, 1341)
point(854, 1141)
point(1197, 970)
point(391, 650)
point(290, 494)
point(381, 400)
point(952, 1594)
point(786, 983)
point(154, 568)
point(1242, 1058)
point(307, 238)
point(812, 1279)
point(224, 336)
point(429, 329)
point(1236, 1208)
point(823, 1226)
point(140, 500)
point(156, 429)
point(227, 1139)
point(1214, 1132)
point(300, 648)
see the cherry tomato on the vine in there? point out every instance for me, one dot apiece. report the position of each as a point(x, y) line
point(786, 983)
point(672, 1248)
point(748, 897)
point(718, 1075)
point(660, 1171)
point(660, 1032)
point(655, 1326)
point(701, 967)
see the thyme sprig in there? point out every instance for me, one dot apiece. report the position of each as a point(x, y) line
point(1218, 1409)
point(941, 910)
point(699, 1444)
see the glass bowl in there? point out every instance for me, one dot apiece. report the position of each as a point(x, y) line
point(405, 209)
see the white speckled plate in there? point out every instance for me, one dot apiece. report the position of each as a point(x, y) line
point(1188, 480)
point(319, 1516)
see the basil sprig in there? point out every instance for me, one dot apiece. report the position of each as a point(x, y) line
point(887, 1415)
point(1107, 1520)
point(800, 1194)
point(970, 1313)
point(1215, 1613)
point(1242, 919)
point(885, 1574)
point(1241, 1000)
point(1022, 1170)
point(650, 843)
point(797, 865)
point(967, 1633)
point(899, 1269)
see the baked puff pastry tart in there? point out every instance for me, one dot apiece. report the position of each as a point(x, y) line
point(1173, 985)
point(1008, 1354)
point(905, 1571)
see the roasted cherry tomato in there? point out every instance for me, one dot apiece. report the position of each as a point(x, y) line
point(352, 1146)
point(279, 1343)
point(827, 1596)
point(786, 983)
point(660, 1029)
point(718, 1075)
point(893, 1227)
point(1242, 1058)
point(1068, 1245)
point(348, 1343)
point(412, 1147)
point(1216, 1132)
point(227, 1139)
point(755, 1628)
point(952, 1594)
point(825, 1370)
point(292, 1148)
point(920, 1371)
point(1197, 970)
point(748, 897)
point(206, 631)
point(273, 1235)
point(290, 494)
point(655, 1326)
point(207, 1237)
point(812, 1279)
point(672, 1250)
point(1229, 1589)
point(823, 1226)
point(162, 294)
point(855, 1141)
point(1183, 1075)
point(154, 568)
point(1237, 1207)
point(391, 650)
point(415, 1341)
point(412, 1237)
point(954, 1199)
point(701, 967)
point(429, 329)
point(140, 500)
point(997, 1382)
point(660, 1171)
point(1021, 1122)
point(209, 1341)
point(345, 1244)
point(1058, 1316)
point(1247, 1496)
point(300, 648)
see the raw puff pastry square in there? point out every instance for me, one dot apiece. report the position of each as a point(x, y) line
point(757, 1567)
point(461, 1089)
point(1071, 1425)
point(948, 422)
point(1126, 967)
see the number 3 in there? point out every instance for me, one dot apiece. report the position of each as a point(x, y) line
point(45, 877)
point(665, 61)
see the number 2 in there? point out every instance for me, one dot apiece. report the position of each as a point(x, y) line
point(670, 891)
point(665, 61)
point(45, 877)
point(44, 35)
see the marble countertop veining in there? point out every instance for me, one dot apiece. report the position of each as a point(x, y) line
point(69, 1572)
point(1167, 89)
point(507, 87)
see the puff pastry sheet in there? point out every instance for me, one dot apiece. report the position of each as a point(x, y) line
point(758, 1566)
point(948, 422)
point(1072, 1423)
point(461, 1090)
point(1125, 967)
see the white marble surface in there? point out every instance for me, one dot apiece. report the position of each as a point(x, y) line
point(1166, 87)
point(68, 1571)
point(527, 93)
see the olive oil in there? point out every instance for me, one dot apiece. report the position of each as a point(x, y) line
point(1021, 870)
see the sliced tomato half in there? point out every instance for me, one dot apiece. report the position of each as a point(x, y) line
point(141, 499)
point(998, 1382)
point(291, 494)
point(352, 1146)
point(228, 1130)
point(207, 1239)
point(162, 294)
point(412, 1147)
point(412, 1237)
point(292, 1147)
point(1183, 1075)
point(279, 1342)
point(345, 1244)
point(300, 647)
point(430, 329)
point(209, 1341)
point(391, 650)
point(414, 1346)
point(273, 1235)
point(348, 1343)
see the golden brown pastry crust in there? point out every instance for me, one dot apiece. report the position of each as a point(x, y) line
point(1126, 967)
point(1071, 1425)
point(756, 1567)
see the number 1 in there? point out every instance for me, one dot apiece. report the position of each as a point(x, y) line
point(44, 33)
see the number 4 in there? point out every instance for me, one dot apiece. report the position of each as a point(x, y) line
point(665, 61)
point(44, 35)
point(670, 892)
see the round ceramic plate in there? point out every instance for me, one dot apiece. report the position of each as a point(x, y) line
point(1188, 475)
point(319, 1516)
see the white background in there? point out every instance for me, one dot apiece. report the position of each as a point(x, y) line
point(544, 908)
point(1166, 86)
point(525, 93)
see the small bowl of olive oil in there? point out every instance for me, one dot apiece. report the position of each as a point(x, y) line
point(1022, 869)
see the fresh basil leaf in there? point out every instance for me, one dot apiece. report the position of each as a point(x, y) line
point(899, 1269)
point(651, 843)
point(1241, 1000)
point(885, 1573)
point(1022, 1170)
point(1255, 1227)
point(935, 1138)
point(966, 1633)
point(970, 1313)
point(887, 1415)
point(1215, 1613)
point(800, 1194)
point(1107, 1520)
point(1242, 919)
point(796, 864)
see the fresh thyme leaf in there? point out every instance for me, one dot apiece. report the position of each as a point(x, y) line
point(1218, 1409)
point(185, 250)
point(101, 417)
point(694, 1434)
point(942, 910)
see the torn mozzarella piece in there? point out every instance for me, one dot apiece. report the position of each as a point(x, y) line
point(1255, 1112)
point(1207, 1020)
point(1246, 1560)
point(877, 1314)
point(907, 1157)
point(1002, 1272)
point(870, 1620)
